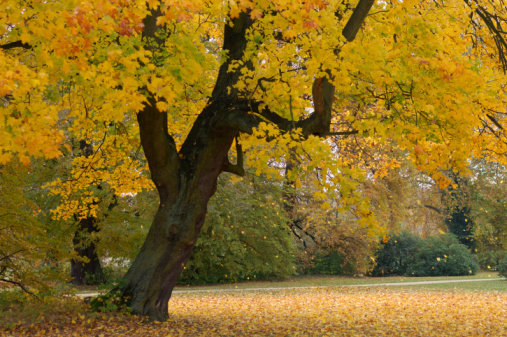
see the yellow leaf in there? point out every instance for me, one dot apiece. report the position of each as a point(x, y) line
point(256, 14)
point(162, 106)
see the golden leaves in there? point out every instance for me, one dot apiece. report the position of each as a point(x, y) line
point(300, 312)
point(344, 311)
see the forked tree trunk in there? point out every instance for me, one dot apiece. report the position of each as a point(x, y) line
point(177, 223)
point(185, 180)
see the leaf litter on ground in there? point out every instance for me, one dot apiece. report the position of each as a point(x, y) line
point(376, 311)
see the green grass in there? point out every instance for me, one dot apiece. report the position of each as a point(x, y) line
point(330, 281)
point(500, 285)
point(326, 281)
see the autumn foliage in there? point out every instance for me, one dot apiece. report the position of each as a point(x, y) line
point(182, 91)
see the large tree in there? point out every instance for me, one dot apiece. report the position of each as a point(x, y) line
point(197, 75)
point(187, 179)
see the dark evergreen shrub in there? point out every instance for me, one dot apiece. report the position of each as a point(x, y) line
point(397, 254)
point(407, 254)
point(502, 267)
point(491, 259)
point(442, 255)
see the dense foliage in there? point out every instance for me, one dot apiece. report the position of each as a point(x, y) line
point(396, 254)
point(30, 248)
point(245, 235)
point(502, 267)
point(489, 213)
point(407, 254)
point(442, 255)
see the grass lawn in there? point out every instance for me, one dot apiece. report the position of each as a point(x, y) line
point(326, 281)
point(500, 285)
point(330, 281)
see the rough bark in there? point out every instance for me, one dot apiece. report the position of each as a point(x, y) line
point(185, 181)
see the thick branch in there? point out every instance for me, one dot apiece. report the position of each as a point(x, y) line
point(319, 121)
point(15, 44)
point(159, 147)
point(245, 118)
point(238, 168)
point(357, 19)
point(245, 115)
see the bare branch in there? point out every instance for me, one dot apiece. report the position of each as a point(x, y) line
point(495, 121)
point(19, 285)
point(433, 208)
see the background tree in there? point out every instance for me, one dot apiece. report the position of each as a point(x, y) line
point(488, 211)
point(29, 248)
point(457, 198)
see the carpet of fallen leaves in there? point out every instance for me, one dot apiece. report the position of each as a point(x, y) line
point(301, 312)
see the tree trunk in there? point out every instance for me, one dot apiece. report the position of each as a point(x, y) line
point(185, 180)
point(86, 269)
point(174, 231)
point(164, 254)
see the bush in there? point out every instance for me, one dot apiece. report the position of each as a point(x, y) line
point(397, 254)
point(490, 260)
point(245, 236)
point(443, 255)
point(407, 254)
point(330, 263)
point(502, 267)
